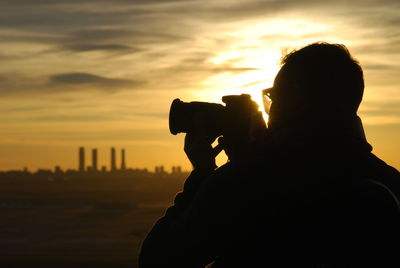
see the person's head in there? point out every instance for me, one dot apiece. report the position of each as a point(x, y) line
point(318, 84)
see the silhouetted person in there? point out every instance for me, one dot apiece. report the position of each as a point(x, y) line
point(311, 195)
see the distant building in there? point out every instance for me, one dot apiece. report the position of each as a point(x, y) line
point(159, 169)
point(113, 160)
point(81, 159)
point(43, 172)
point(57, 169)
point(176, 169)
point(94, 159)
point(123, 165)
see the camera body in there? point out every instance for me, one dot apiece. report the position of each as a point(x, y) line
point(233, 118)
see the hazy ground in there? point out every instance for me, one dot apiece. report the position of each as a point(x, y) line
point(82, 223)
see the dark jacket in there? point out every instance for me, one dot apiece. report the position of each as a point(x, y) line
point(308, 205)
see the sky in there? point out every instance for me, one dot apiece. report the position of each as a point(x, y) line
point(102, 74)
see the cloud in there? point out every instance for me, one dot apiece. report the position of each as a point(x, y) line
point(167, 28)
point(155, 115)
point(190, 71)
point(140, 13)
point(41, 3)
point(112, 41)
point(380, 113)
point(72, 118)
point(87, 78)
point(111, 26)
point(231, 69)
point(381, 120)
point(385, 46)
point(95, 47)
point(131, 35)
point(385, 108)
point(15, 84)
point(378, 67)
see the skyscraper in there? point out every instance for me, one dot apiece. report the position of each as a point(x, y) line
point(113, 160)
point(94, 159)
point(81, 159)
point(123, 165)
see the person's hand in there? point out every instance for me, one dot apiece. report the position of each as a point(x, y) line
point(198, 147)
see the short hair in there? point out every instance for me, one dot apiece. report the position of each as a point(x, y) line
point(327, 73)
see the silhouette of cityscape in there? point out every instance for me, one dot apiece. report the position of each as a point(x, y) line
point(93, 169)
point(90, 214)
point(94, 166)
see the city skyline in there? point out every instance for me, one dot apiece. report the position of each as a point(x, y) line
point(92, 165)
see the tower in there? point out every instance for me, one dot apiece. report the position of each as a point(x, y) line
point(94, 159)
point(123, 165)
point(113, 160)
point(81, 159)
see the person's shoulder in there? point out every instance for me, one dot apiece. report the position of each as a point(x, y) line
point(381, 166)
point(376, 186)
point(378, 170)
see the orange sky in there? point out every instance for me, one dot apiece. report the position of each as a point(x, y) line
point(99, 73)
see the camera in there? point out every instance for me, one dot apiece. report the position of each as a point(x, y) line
point(235, 117)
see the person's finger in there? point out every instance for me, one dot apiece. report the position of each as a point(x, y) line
point(217, 149)
point(221, 140)
point(210, 140)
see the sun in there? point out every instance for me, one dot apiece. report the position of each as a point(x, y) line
point(251, 56)
point(254, 73)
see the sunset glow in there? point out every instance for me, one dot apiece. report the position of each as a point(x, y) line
point(102, 75)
